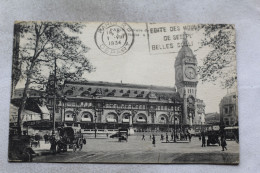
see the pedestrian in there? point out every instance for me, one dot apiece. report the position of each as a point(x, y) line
point(143, 137)
point(150, 137)
point(46, 138)
point(153, 141)
point(161, 137)
point(203, 140)
point(189, 135)
point(107, 135)
point(37, 139)
point(167, 138)
point(200, 137)
point(53, 144)
point(223, 143)
point(172, 136)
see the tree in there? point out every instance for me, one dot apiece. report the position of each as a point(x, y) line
point(44, 43)
point(220, 62)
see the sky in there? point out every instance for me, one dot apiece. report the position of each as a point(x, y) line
point(147, 61)
point(141, 66)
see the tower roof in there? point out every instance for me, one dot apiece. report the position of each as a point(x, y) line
point(185, 51)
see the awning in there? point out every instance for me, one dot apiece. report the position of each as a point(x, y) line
point(111, 120)
point(141, 120)
point(68, 119)
point(125, 120)
point(86, 119)
point(44, 109)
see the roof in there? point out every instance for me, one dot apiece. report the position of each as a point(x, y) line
point(121, 85)
point(185, 51)
point(107, 89)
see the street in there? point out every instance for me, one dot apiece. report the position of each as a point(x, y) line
point(136, 150)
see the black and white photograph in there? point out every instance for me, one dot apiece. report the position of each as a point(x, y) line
point(123, 92)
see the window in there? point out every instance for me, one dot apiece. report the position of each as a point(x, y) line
point(231, 109)
point(162, 118)
point(226, 110)
point(226, 120)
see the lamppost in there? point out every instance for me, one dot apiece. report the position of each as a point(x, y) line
point(64, 100)
point(95, 125)
point(174, 130)
point(54, 94)
point(174, 124)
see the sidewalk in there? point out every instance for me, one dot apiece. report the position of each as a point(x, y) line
point(44, 149)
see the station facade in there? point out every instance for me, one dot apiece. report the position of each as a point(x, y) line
point(106, 105)
point(113, 105)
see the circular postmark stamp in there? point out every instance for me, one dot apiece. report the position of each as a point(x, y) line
point(114, 38)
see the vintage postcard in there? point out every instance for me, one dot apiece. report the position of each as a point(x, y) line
point(119, 92)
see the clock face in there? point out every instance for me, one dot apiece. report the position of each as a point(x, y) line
point(190, 73)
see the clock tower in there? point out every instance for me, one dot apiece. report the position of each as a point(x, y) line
point(186, 80)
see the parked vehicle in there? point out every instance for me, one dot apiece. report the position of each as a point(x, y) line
point(115, 135)
point(70, 138)
point(213, 135)
point(20, 149)
point(122, 134)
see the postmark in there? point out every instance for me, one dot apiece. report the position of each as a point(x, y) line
point(114, 38)
point(168, 38)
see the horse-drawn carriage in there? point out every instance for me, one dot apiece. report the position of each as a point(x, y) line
point(68, 138)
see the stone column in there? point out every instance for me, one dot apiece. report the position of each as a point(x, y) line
point(131, 130)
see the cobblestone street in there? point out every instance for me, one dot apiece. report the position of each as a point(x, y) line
point(137, 150)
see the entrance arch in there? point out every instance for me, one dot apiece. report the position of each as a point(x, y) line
point(111, 117)
point(140, 118)
point(163, 119)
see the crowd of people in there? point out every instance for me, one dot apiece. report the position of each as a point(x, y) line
point(187, 137)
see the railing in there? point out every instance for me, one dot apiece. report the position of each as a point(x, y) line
point(100, 131)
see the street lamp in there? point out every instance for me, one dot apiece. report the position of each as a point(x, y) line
point(95, 125)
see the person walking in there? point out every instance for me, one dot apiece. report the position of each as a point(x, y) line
point(143, 137)
point(203, 140)
point(107, 135)
point(46, 138)
point(172, 136)
point(223, 143)
point(37, 139)
point(153, 141)
point(161, 137)
point(150, 137)
point(167, 140)
point(53, 144)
